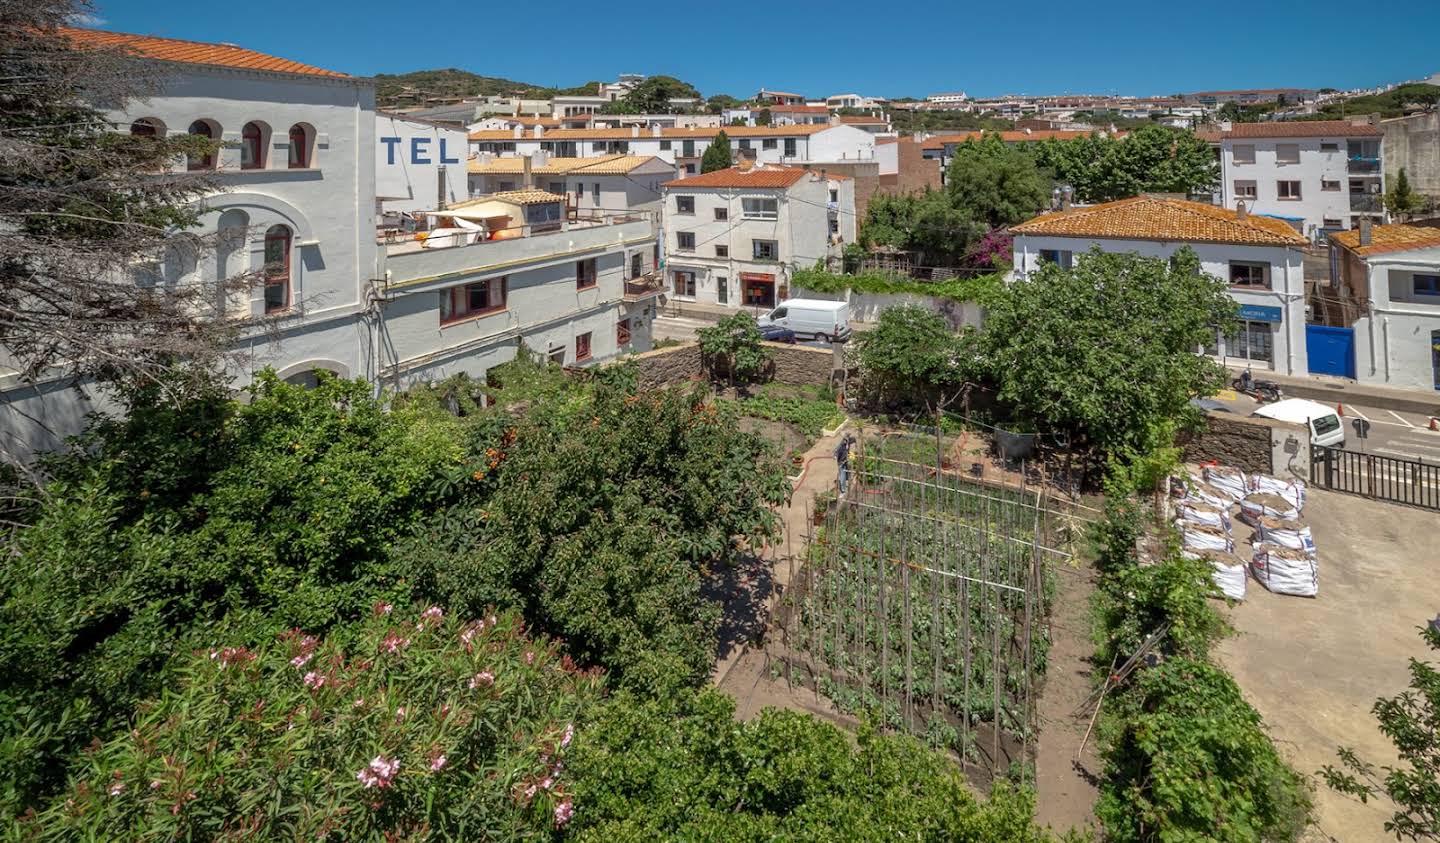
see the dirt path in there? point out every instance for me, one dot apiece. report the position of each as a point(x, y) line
point(1066, 788)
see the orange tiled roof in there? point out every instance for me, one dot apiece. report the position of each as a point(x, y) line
point(1304, 129)
point(1389, 238)
point(667, 133)
point(191, 52)
point(1173, 220)
point(755, 177)
point(514, 197)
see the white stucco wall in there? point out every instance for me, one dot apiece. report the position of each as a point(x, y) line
point(1286, 277)
point(1315, 165)
point(410, 156)
point(1393, 345)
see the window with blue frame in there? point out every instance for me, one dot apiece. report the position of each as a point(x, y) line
point(1427, 285)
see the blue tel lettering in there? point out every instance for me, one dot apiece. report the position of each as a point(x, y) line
point(443, 159)
point(415, 150)
point(389, 149)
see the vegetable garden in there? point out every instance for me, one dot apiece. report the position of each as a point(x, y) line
point(922, 601)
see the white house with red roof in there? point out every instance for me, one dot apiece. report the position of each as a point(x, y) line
point(733, 236)
point(1319, 176)
point(1261, 259)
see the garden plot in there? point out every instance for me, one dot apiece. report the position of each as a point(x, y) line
point(922, 597)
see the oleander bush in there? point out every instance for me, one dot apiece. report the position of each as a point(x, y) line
point(419, 726)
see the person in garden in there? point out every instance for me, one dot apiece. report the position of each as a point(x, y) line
point(842, 458)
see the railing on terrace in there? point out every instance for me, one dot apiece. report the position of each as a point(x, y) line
point(1365, 202)
point(1362, 164)
point(649, 284)
point(399, 241)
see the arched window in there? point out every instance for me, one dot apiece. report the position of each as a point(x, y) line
point(277, 268)
point(252, 146)
point(301, 139)
point(204, 129)
point(147, 127)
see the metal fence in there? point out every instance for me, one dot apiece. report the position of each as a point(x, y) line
point(1411, 482)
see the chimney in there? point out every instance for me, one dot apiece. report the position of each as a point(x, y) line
point(526, 169)
point(540, 157)
point(1066, 195)
point(635, 131)
point(539, 131)
point(518, 131)
point(440, 203)
point(655, 131)
point(1240, 213)
point(1365, 235)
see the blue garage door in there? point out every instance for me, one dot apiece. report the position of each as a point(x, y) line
point(1330, 351)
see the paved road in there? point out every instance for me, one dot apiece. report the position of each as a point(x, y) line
point(1393, 434)
point(684, 328)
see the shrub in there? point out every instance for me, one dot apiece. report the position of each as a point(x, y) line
point(685, 769)
point(1188, 759)
point(422, 727)
point(183, 516)
point(599, 515)
point(732, 347)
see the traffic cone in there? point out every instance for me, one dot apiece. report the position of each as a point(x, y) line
point(1340, 409)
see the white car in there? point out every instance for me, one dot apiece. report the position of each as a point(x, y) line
point(811, 318)
point(1323, 422)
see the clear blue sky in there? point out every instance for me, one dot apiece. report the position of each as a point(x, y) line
point(885, 49)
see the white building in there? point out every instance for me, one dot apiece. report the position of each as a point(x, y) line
point(684, 147)
point(733, 236)
point(1382, 311)
point(779, 98)
point(837, 101)
point(948, 98)
point(608, 183)
point(1260, 257)
point(419, 165)
point(1319, 176)
point(299, 167)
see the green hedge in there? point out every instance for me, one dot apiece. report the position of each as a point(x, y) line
point(980, 289)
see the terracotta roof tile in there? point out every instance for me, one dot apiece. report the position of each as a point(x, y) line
point(191, 52)
point(1389, 238)
point(1304, 129)
point(599, 165)
point(1173, 220)
point(668, 133)
point(514, 197)
point(756, 177)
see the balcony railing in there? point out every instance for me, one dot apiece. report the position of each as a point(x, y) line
point(1365, 202)
point(644, 287)
point(400, 241)
point(1363, 164)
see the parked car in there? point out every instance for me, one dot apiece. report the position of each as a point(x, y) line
point(811, 319)
point(1323, 423)
point(777, 333)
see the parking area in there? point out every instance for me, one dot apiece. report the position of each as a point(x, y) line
point(1314, 667)
point(1392, 434)
point(685, 328)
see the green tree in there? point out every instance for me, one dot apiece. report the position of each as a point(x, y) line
point(717, 103)
point(996, 184)
point(1153, 158)
point(652, 96)
point(927, 222)
point(911, 354)
point(733, 346)
point(717, 154)
point(763, 118)
point(1411, 720)
point(1106, 350)
point(1401, 200)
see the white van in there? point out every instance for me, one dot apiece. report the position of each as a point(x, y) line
point(1323, 422)
point(811, 318)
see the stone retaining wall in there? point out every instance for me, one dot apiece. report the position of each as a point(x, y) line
point(1247, 443)
point(791, 364)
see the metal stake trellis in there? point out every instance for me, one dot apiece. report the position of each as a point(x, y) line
point(921, 589)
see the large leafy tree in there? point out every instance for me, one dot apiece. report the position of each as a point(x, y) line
point(912, 355)
point(86, 211)
point(652, 96)
point(1107, 350)
point(1411, 720)
point(996, 184)
point(732, 347)
point(1152, 158)
point(929, 223)
point(717, 154)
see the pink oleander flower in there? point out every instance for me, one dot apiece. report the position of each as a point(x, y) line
point(483, 678)
point(563, 812)
point(547, 782)
point(381, 608)
point(301, 660)
point(569, 734)
point(399, 714)
point(432, 615)
point(530, 792)
point(493, 620)
point(379, 772)
point(156, 784)
point(529, 657)
point(116, 789)
point(438, 763)
point(314, 680)
point(394, 642)
point(359, 703)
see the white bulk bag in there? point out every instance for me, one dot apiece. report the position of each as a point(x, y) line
point(1291, 490)
point(1198, 537)
point(1256, 505)
point(1231, 481)
point(1286, 533)
point(1195, 511)
point(1205, 493)
point(1284, 570)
